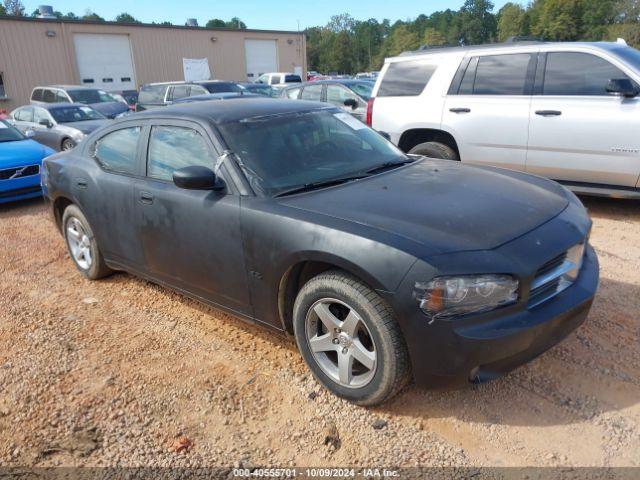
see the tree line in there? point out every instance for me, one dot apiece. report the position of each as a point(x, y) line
point(346, 45)
point(15, 8)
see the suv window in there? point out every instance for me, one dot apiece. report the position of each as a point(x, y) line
point(179, 91)
point(406, 79)
point(152, 94)
point(117, 151)
point(172, 148)
point(61, 97)
point(311, 92)
point(497, 75)
point(569, 73)
point(275, 79)
point(49, 96)
point(37, 95)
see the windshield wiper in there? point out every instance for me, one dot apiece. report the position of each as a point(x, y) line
point(307, 187)
point(388, 166)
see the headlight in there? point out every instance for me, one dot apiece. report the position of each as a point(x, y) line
point(448, 297)
point(78, 136)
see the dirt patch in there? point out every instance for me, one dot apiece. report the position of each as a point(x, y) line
point(123, 372)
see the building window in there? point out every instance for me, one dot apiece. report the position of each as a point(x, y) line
point(2, 92)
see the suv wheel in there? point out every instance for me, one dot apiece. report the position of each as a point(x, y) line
point(349, 338)
point(435, 150)
point(82, 244)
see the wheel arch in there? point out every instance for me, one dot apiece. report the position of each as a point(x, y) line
point(412, 137)
point(59, 206)
point(303, 270)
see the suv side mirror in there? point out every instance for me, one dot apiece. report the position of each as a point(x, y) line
point(45, 123)
point(197, 177)
point(351, 102)
point(623, 87)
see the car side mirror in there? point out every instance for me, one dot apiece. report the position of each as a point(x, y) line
point(29, 134)
point(351, 102)
point(45, 123)
point(623, 87)
point(197, 177)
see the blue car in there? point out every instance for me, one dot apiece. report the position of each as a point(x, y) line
point(20, 162)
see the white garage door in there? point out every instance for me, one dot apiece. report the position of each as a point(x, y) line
point(261, 56)
point(104, 61)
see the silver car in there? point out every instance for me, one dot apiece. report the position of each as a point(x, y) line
point(60, 126)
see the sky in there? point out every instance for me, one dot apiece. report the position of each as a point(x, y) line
point(260, 14)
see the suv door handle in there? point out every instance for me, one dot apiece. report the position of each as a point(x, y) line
point(549, 113)
point(460, 110)
point(146, 198)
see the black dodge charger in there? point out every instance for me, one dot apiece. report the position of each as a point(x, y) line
point(300, 218)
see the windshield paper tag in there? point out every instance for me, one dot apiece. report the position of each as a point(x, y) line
point(354, 123)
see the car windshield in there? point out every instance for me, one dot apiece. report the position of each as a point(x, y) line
point(265, 90)
point(292, 79)
point(362, 89)
point(75, 114)
point(8, 133)
point(215, 87)
point(285, 151)
point(90, 96)
point(629, 55)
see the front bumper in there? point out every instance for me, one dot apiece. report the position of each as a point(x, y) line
point(482, 347)
point(20, 189)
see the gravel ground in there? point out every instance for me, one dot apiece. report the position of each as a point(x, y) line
point(123, 372)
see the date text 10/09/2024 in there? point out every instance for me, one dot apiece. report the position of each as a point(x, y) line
point(316, 472)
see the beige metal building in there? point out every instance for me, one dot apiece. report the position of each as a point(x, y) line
point(115, 56)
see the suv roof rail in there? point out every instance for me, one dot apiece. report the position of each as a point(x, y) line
point(524, 38)
point(426, 49)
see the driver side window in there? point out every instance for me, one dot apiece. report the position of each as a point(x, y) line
point(172, 148)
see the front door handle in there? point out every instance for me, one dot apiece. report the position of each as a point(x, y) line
point(460, 110)
point(146, 198)
point(549, 113)
point(81, 183)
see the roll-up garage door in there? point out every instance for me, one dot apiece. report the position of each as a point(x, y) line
point(261, 57)
point(104, 61)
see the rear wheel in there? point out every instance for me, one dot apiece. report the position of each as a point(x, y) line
point(67, 144)
point(349, 338)
point(435, 150)
point(82, 244)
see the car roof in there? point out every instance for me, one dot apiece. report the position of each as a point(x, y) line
point(54, 106)
point(516, 45)
point(231, 110)
point(69, 87)
point(343, 81)
point(204, 82)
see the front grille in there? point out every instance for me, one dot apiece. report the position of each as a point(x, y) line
point(556, 275)
point(19, 172)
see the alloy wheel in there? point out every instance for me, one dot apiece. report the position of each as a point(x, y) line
point(341, 343)
point(79, 243)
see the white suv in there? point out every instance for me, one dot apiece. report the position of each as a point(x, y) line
point(567, 111)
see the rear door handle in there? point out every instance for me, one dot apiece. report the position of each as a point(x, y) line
point(460, 110)
point(81, 183)
point(549, 113)
point(146, 198)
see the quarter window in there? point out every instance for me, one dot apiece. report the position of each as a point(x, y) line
point(312, 92)
point(570, 74)
point(498, 75)
point(172, 148)
point(117, 150)
point(406, 79)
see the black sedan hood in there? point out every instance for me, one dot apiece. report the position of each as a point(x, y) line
point(443, 205)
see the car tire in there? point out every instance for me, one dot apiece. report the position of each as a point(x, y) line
point(435, 150)
point(67, 144)
point(364, 328)
point(82, 244)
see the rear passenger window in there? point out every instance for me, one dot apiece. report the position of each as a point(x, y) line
point(49, 96)
point(117, 151)
point(172, 148)
point(578, 74)
point(406, 79)
point(499, 75)
point(312, 93)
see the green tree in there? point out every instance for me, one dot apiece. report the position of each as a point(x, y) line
point(92, 16)
point(216, 23)
point(477, 22)
point(511, 21)
point(126, 18)
point(433, 37)
point(70, 16)
point(14, 8)
point(3, 11)
point(559, 20)
point(597, 17)
point(235, 22)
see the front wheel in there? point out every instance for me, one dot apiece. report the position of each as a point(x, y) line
point(82, 244)
point(349, 338)
point(67, 144)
